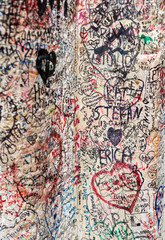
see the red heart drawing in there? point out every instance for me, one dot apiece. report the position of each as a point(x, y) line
point(120, 187)
point(83, 33)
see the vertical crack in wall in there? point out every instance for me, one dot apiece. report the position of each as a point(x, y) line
point(82, 119)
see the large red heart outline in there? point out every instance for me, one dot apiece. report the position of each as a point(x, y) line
point(119, 187)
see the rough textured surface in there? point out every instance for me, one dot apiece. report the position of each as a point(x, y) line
point(82, 119)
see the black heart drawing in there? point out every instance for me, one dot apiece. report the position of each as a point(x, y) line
point(41, 7)
point(45, 64)
point(32, 139)
point(114, 136)
point(147, 158)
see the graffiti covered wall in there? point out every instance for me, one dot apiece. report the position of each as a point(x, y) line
point(82, 119)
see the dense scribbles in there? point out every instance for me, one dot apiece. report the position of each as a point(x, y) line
point(82, 120)
point(37, 108)
point(119, 58)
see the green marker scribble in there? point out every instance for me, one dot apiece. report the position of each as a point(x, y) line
point(120, 231)
point(52, 109)
point(147, 39)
